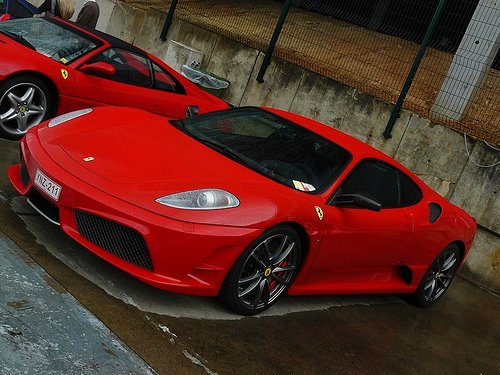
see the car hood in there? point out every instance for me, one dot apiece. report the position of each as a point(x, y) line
point(131, 153)
point(139, 157)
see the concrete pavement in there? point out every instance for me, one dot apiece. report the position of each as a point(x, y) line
point(44, 329)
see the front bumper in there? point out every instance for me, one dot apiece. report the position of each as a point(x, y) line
point(173, 255)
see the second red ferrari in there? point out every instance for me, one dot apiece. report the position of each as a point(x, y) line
point(49, 66)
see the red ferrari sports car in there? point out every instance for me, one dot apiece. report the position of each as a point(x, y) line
point(49, 66)
point(245, 204)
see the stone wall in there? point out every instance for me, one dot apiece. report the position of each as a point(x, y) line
point(435, 153)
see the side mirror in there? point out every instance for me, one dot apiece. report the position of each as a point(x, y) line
point(192, 110)
point(100, 67)
point(356, 200)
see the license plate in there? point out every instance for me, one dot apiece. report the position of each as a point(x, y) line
point(48, 186)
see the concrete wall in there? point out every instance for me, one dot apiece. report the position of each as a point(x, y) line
point(435, 153)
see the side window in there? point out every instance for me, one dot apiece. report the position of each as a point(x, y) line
point(163, 80)
point(374, 180)
point(385, 184)
point(410, 192)
point(131, 68)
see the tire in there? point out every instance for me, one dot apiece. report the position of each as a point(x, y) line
point(25, 101)
point(263, 272)
point(438, 277)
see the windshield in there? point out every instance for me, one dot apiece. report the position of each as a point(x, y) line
point(47, 38)
point(271, 145)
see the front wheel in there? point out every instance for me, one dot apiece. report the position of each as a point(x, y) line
point(263, 272)
point(438, 277)
point(25, 101)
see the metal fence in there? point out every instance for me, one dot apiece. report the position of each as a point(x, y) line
point(371, 45)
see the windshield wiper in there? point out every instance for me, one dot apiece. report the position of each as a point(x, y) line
point(179, 124)
point(19, 39)
point(224, 150)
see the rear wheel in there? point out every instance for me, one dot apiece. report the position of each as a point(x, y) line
point(263, 272)
point(438, 277)
point(25, 101)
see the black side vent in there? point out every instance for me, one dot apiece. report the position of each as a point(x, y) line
point(434, 212)
point(117, 239)
point(406, 274)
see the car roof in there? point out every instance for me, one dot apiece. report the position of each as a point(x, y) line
point(111, 40)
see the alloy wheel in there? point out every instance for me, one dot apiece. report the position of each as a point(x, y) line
point(439, 277)
point(22, 106)
point(267, 271)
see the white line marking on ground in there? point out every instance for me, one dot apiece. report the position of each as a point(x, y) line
point(196, 361)
point(167, 330)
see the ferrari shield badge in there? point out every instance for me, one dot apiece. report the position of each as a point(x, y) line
point(319, 211)
point(64, 73)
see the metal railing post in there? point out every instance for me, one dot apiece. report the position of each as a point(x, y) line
point(274, 39)
point(168, 20)
point(413, 70)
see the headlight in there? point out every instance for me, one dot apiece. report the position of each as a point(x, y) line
point(202, 199)
point(68, 116)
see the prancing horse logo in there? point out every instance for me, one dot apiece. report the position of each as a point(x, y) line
point(319, 211)
point(64, 73)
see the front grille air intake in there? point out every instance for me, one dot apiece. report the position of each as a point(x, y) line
point(44, 206)
point(119, 240)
